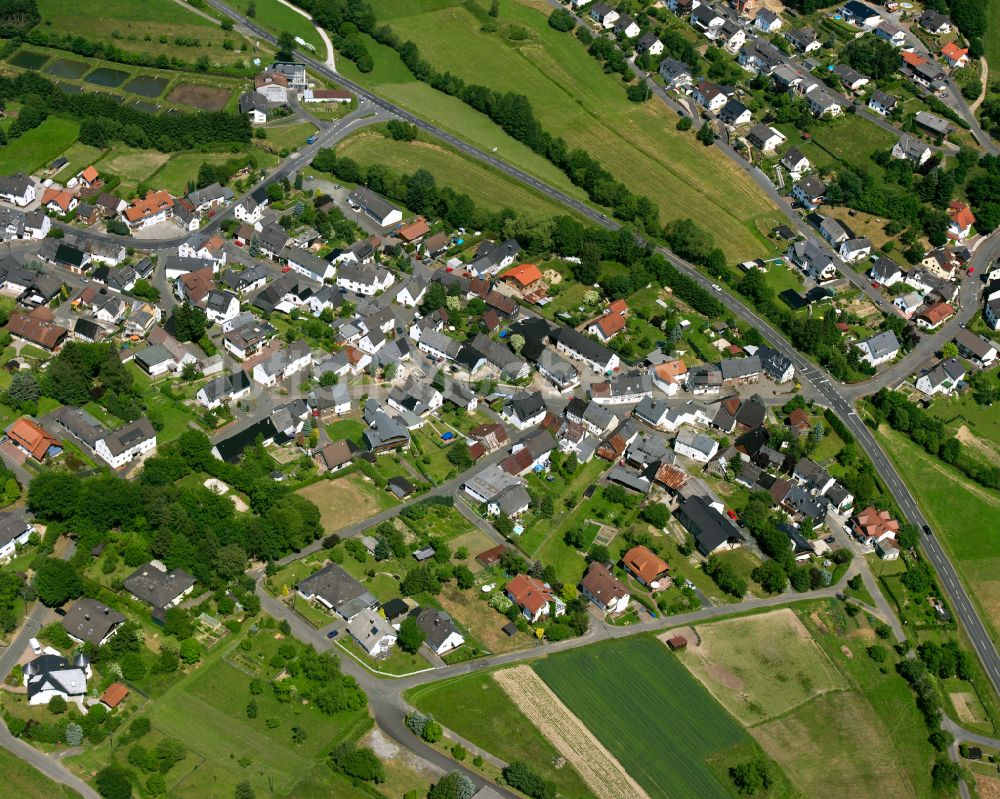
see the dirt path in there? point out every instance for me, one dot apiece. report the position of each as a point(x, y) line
point(595, 764)
point(984, 77)
point(322, 33)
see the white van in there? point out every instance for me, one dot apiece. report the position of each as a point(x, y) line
point(35, 646)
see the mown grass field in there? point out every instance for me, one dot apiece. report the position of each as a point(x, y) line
point(962, 526)
point(38, 147)
point(992, 39)
point(475, 707)
point(128, 23)
point(641, 703)
point(174, 174)
point(572, 97)
point(279, 18)
point(761, 666)
point(24, 782)
point(346, 500)
point(487, 187)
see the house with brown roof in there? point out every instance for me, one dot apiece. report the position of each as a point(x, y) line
point(931, 318)
point(522, 276)
point(491, 556)
point(155, 207)
point(605, 590)
point(89, 176)
point(534, 598)
point(671, 477)
point(30, 437)
point(114, 695)
point(43, 333)
point(669, 376)
point(643, 564)
point(336, 456)
point(610, 323)
point(414, 231)
point(873, 526)
point(58, 201)
point(798, 422)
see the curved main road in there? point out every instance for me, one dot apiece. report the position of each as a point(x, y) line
point(827, 388)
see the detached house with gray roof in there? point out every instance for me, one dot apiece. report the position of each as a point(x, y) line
point(878, 349)
point(336, 590)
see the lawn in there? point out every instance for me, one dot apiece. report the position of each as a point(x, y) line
point(133, 166)
point(972, 545)
point(346, 500)
point(149, 27)
point(287, 136)
point(841, 744)
point(760, 667)
point(992, 39)
point(80, 156)
point(488, 188)
point(279, 18)
point(24, 782)
point(393, 81)
point(663, 727)
point(38, 147)
point(572, 97)
point(476, 708)
point(346, 428)
point(181, 168)
point(397, 662)
point(982, 433)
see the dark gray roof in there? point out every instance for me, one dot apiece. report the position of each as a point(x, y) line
point(91, 621)
point(155, 587)
point(437, 626)
point(589, 349)
point(709, 527)
point(371, 202)
point(341, 591)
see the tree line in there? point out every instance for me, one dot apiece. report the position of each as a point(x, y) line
point(103, 118)
point(930, 433)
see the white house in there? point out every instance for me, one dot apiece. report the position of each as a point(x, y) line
point(855, 249)
point(604, 15)
point(627, 27)
point(17, 189)
point(15, 530)
point(882, 104)
point(709, 96)
point(694, 445)
point(809, 192)
point(942, 378)
point(50, 675)
point(251, 208)
point(765, 138)
point(767, 21)
point(283, 364)
point(376, 208)
point(912, 149)
point(364, 279)
point(893, 34)
point(440, 633)
point(227, 388)
point(880, 348)
point(221, 306)
point(134, 440)
point(373, 633)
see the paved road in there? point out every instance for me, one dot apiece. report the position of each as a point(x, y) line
point(829, 390)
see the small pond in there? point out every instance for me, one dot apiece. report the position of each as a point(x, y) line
point(28, 60)
point(146, 86)
point(148, 108)
point(67, 68)
point(105, 76)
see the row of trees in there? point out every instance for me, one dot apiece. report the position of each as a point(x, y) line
point(103, 117)
point(930, 433)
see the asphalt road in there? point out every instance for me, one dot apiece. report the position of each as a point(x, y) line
point(827, 388)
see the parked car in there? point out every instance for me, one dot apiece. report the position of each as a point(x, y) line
point(333, 634)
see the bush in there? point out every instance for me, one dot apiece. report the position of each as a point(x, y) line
point(113, 783)
point(562, 20)
point(520, 776)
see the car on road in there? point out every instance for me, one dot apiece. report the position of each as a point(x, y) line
point(829, 539)
point(36, 647)
point(847, 529)
point(286, 269)
point(927, 529)
point(716, 287)
point(333, 634)
point(971, 270)
point(874, 284)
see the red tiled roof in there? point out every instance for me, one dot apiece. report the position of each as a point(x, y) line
point(60, 197)
point(114, 695)
point(30, 435)
point(936, 314)
point(643, 563)
point(523, 274)
point(90, 174)
point(491, 556)
point(414, 230)
point(953, 52)
point(913, 59)
point(961, 214)
point(151, 204)
point(528, 593)
point(874, 523)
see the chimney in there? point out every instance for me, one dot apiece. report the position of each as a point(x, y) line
point(86, 616)
point(107, 611)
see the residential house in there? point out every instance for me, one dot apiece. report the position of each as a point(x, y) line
point(622, 389)
point(709, 96)
point(373, 632)
point(956, 57)
point(912, 149)
point(649, 43)
point(804, 40)
point(734, 113)
point(942, 378)
point(849, 77)
point(17, 189)
point(524, 410)
point(128, 442)
point(646, 567)
point(962, 220)
point(377, 208)
point(254, 106)
point(704, 519)
point(58, 201)
point(979, 350)
point(669, 376)
point(882, 104)
point(706, 20)
point(873, 526)
point(283, 364)
point(934, 22)
point(91, 622)
point(161, 589)
point(796, 163)
point(336, 456)
point(823, 103)
point(15, 531)
point(932, 317)
point(499, 358)
point(933, 124)
point(857, 13)
point(577, 346)
point(891, 33)
point(694, 445)
point(251, 208)
point(604, 15)
point(212, 196)
point(767, 21)
point(42, 333)
point(909, 303)
point(812, 260)
point(535, 599)
point(627, 27)
point(441, 635)
point(809, 192)
point(878, 349)
point(491, 257)
point(415, 396)
point(674, 73)
point(336, 590)
point(364, 280)
point(765, 138)
point(50, 675)
point(611, 322)
point(224, 389)
point(154, 208)
point(605, 590)
point(209, 248)
point(855, 249)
